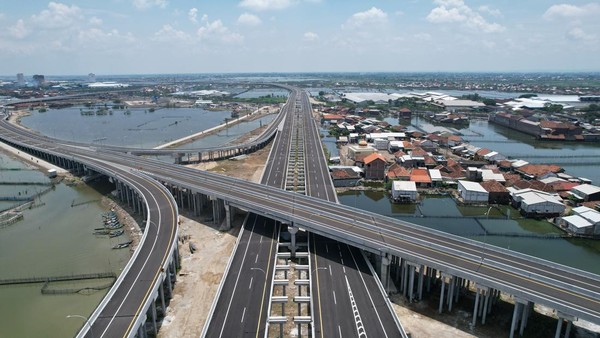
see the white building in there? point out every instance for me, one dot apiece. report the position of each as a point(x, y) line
point(472, 192)
point(583, 221)
point(20, 79)
point(577, 225)
point(586, 192)
point(532, 201)
point(436, 176)
point(404, 190)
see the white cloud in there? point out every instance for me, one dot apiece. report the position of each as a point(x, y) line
point(57, 16)
point(571, 11)
point(193, 14)
point(100, 39)
point(264, 5)
point(169, 33)
point(19, 30)
point(456, 11)
point(216, 31)
point(310, 36)
point(369, 17)
point(145, 4)
point(491, 11)
point(95, 21)
point(249, 20)
point(580, 35)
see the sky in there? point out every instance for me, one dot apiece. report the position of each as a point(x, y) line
point(202, 36)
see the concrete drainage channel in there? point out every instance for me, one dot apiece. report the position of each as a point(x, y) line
point(290, 305)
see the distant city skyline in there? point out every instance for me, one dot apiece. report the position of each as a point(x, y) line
point(193, 36)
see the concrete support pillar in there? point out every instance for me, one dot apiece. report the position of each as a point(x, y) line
point(451, 289)
point(154, 326)
point(169, 282)
point(411, 282)
point(405, 268)
point(161, 292)
point(293, 231)
point(561, 318)
point(516, 315)
point(558, 327)
point(484, 308)
point(141, 332)
point(475, 308)
point(568, 330)
point(442, 295)
point(420, 286)
point(228, 218)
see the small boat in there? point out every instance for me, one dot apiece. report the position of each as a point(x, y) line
point(102, 232)
point(115, 233)
point(122, 245)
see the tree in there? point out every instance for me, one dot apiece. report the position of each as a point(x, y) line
point(553, 108)
point(321, 93)
point(489, 102)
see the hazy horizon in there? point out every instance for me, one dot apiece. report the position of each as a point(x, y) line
point(138, 37)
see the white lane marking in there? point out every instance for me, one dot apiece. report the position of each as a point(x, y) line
point(360, 328)
point(256, 259)
point(368, 293)
point(334, 299)
point(340, 331)
point(342, 261)
point(250, 286)
point(330, 270)
point(237, 279)
point(158, 228)
point(243, 314)
point(344, 268)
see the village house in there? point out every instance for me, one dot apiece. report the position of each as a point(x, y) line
point(398, 172)
point(583, 221)
point(472, 192)
point(404, 191)
point(375, 167)
point(586, 192)
point(421, 177)
point(344, 177)
point(535, 203)
point(497, 193)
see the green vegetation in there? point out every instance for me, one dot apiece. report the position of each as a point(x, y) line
point(527, 96)
point(552, 108)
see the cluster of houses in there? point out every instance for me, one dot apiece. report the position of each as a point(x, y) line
point(414, 160)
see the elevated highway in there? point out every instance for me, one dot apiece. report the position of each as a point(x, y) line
point(570, 291)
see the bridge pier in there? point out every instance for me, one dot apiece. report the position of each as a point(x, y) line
point(481, 308)
point(293, 231)
point(141, 332)
point(562, 318)
point(154, 325)
point(228, 217)
point(518, 315)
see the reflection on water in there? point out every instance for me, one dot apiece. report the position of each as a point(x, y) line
point(52, 239)
point(138, 128)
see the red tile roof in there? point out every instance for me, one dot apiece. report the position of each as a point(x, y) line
point(493, 186)
point(373, 157)
point(420, 176)
point(539, 169)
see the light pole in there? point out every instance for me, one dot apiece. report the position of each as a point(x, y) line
point(87, 322)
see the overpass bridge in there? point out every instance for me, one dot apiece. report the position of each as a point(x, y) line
point(416, 254)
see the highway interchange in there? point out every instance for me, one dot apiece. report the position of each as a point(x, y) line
point(573, 291)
